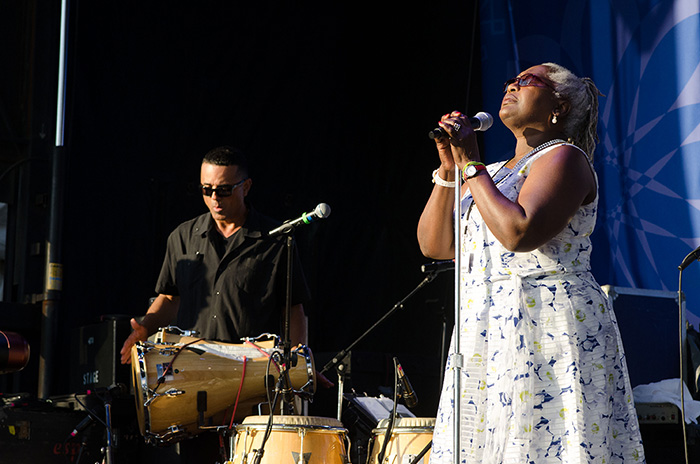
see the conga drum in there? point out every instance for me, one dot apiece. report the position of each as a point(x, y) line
point(14, 352)
point(182, 383)
point(292, 440)
point(409, 436)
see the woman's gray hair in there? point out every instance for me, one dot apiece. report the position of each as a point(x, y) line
point(581, 123)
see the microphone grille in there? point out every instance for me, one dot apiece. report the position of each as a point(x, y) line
point(485, 119)
point(322, 210)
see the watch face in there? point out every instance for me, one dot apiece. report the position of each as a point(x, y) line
point(473, 169)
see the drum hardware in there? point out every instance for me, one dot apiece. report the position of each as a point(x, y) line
point(173, 433)
point(174, 429)
point(171, 393)
point(337, 361)
point(175, 330)
point(168, 351)
point(262, 337)
point(201, 407)
point(202, 380)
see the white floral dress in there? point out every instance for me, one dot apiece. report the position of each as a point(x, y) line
point(544, 378)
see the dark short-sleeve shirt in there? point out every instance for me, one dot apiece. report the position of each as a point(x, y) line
point(230, 288)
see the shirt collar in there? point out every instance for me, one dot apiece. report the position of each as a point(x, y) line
point(251, 228)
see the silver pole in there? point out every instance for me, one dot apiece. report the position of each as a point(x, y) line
point(341, 388)
point(53, 280)
point(61, 102)
point(457, 355)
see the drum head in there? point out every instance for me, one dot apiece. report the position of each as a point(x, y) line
point(408, 422)
point(293, 421)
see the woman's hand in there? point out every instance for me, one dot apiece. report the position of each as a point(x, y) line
point(461, 147)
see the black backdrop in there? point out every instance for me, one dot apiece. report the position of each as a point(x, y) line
point(331, 103)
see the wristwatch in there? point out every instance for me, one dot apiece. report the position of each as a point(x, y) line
point(471, 169)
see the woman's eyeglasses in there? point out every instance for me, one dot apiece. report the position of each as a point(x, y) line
point(221, 190)
point(526, 80)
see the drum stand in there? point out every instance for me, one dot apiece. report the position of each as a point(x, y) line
point(337, 361)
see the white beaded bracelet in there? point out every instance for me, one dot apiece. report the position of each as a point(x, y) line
point(440, 181)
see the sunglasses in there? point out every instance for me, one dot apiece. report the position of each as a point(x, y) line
point(526, 80)
point(221, 190)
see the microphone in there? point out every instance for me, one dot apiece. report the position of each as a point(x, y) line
point(692, 256)
point(409, 395)
point(438, 266)
point(480, 122)
point(321, 211)
point(82, 425)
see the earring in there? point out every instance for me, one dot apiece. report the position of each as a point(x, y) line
point(554, 119)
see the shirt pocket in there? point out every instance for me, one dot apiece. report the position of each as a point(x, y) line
point(254, 277)
point(190, 272)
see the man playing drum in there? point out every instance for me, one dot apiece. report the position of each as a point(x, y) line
point(222, 276)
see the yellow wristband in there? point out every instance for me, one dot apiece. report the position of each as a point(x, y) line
point(475, 166)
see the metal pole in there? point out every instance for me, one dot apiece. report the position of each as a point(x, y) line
point(62, 66)
point(457, 355)
point(54, 272)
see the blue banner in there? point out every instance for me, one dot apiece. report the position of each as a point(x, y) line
point(645, 57)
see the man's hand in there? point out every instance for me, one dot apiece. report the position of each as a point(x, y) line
point(138, 334)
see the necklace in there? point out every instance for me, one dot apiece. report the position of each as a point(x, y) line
point(515, 168)
point(538, 148)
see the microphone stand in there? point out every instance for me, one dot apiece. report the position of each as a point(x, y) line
point(285, 384)
point(457, 358)
point(109, 449)
point(392, 418)
point(287, 228)
point(107, 398)
point(337, 361)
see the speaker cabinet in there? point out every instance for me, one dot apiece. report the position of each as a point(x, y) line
point(95, 359)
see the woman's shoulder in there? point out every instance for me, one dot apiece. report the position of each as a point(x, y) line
point(564, 149)
point(570, 164)
point(560, 156)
